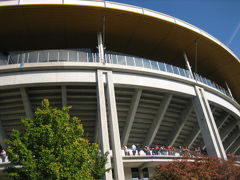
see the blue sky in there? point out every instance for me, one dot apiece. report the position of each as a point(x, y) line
point(220, 18)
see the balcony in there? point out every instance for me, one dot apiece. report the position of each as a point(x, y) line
point(89, 56)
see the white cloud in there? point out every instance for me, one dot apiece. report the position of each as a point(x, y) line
point(233, 35)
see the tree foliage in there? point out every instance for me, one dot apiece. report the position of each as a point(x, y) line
point(52, 147)
point(203, 168)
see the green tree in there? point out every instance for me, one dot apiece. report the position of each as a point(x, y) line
point(52, 146)
point(203, 168)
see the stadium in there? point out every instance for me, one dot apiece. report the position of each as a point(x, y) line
point(132, 75)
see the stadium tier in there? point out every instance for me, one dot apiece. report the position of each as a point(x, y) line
point(135, 77)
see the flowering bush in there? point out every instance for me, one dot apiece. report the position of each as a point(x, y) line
point(203, 167)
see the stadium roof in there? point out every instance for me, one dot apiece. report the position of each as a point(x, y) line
point(57, 24)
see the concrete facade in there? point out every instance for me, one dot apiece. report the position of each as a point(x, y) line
point(121, 98)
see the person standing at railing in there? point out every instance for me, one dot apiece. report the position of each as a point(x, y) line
point(3, 155)
point(147, 150)
point(157, 148)
point(134, 148)
point(126, 150)
point(169, 149)
point(138, 149)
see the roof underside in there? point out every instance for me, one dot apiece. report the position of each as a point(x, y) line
point(179, 124)
point(33, 27)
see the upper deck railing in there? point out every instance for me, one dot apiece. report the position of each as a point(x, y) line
point(88, 56)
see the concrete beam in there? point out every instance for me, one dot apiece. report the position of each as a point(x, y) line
point(114, 129)
point(196, 132)
point(192, 138)
point(180, 124)
point(140, 173)
point(232, 144)
point(237, 148)
point(102, 119)
point(64, 95)
point(2, 136)
point(26, 103)
point(131, 116)
point(188, 64)
point(219, 125)
point(225, 118)
point(100, 47)
point(158, 119)
point(227, 130)
point(207, 125)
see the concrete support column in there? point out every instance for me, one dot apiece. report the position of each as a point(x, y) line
point(207, 125)
point(26, 103)
point(131, 116)
point(102, 120)
point(100, 47)
point(64, 95)
point(140, 173)
point(114, 129)
point(2, 136)
point(158, 119)
point(187, 64)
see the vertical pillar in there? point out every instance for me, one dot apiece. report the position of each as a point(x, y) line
point(207, 125)
point(131, 115)
point(64, 95)
point(102, 120)
point(229, 91)
point(2, 136)
point(114, 129)
point(140, 173)
point(187, 64)
point(100, 47)
point(26, 103)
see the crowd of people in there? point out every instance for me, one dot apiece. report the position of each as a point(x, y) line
point(162, 150)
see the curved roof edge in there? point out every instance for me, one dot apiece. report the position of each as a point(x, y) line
point(123, 7)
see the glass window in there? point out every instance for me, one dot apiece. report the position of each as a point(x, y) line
point(3, 59)
point(169, 68)
point(175, 70)
point(135, 174)
point(95, 58)
point(154, 65)
point(121, 60)
point(201, 79)
point(63, 55)
point(145, 174)
point(53, 56)
point(139, 62)
point(146, 63)
point(73, 56)
point(43, 56)
point(114, 59)
point(161, 66)
point(130, 61)
point(188, 74)
point(14, 59)
point(108, 58)
point(22, 58)
point(181, 72)
point(84, 56)
point(33, 57)
point(185, 72)
point(205, 81)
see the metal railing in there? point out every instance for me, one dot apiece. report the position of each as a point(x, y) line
point(88, 55)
